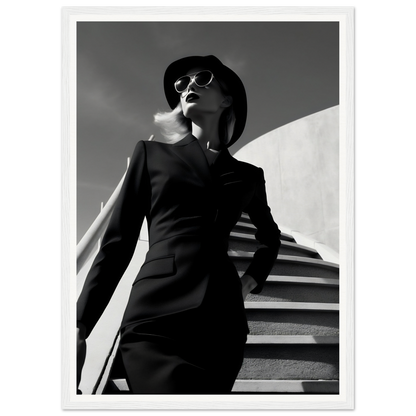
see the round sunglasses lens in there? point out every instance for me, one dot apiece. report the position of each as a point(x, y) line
point(203, 78)
point(181, 84)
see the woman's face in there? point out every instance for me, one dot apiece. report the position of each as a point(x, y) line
point(199, 101)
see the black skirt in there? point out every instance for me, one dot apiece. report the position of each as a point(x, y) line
point(199, 351)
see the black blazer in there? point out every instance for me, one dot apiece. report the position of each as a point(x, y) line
point(190, 208)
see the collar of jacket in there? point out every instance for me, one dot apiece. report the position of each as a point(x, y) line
point(223, 157)
point(189, 138)
point(194, 156)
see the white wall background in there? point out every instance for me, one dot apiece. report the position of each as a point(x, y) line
point(301, 167)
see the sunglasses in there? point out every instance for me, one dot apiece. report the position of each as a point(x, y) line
point(201, 79)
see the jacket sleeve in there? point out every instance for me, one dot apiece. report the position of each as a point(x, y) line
point(268, 234)
point(118, 243)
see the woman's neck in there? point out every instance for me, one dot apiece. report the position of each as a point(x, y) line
point(207, 133)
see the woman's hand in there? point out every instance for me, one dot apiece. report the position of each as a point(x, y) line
point(248, 285)
point(81, 350)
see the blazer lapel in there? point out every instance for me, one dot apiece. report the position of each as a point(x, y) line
point(190, 152)
point(224, 168)
point(231, 191)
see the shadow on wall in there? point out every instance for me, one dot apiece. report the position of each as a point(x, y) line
point(301, 166)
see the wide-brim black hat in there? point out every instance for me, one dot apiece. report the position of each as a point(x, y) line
point(234, 86)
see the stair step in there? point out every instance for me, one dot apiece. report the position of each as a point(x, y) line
point(119, 386)
point(286, 386)
point(293, 322)
point(246, 242)
point(287, 292)
point(290, 265)
point(290, 339)
point(249, 255)
point(116, 386)
point(249, 228)
point(298, 289)
point(291, 361)
point(303, 306)
point(303, 280)
point(245, 218)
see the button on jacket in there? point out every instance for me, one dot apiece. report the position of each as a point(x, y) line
point(190, 208)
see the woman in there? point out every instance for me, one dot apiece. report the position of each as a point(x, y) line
point(184, 327)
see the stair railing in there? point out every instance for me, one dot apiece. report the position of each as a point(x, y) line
point(86, 246)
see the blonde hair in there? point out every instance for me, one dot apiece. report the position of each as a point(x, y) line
point(175, 126)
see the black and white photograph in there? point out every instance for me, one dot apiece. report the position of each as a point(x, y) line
point(208, 176)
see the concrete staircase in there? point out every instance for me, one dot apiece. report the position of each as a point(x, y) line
point(293, 346)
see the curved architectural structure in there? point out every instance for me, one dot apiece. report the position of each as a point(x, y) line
point(301, 165)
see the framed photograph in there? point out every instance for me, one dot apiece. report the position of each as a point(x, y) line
point(279, 83)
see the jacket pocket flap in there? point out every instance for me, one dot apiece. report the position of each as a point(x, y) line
point(160, 267)
point(230, 178)
point(233, 182)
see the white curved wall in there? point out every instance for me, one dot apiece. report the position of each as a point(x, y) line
point(301, 165)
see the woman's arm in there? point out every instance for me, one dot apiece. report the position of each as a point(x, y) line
point(118, 243)
point(248, 284)
point(268, 235)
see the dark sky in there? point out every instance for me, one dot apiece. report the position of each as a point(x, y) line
point(289, 69)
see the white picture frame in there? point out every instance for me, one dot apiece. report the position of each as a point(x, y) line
point(345, 17)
